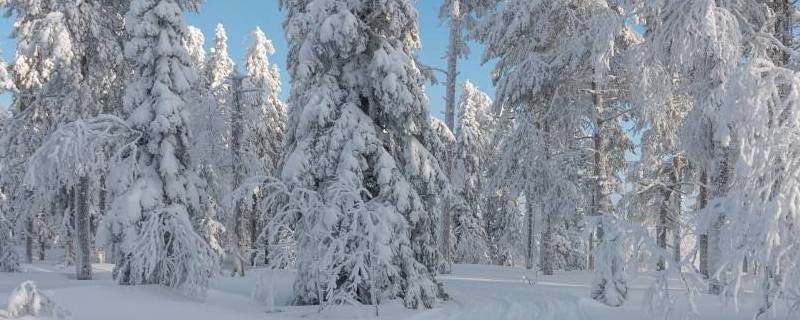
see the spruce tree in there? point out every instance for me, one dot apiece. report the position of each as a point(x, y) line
point(156, 196)
point(357, 139)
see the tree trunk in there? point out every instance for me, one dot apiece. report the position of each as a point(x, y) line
point(546, 254)
point(702, 203)
point(238, 177)
point(29, 241)
point(83, 233)
point(100, 253)
point(609, 286)
point(452, 62)
point(42, 239)
point(661, 230)
point(782, 29)
point(546, 251)
point(449, 119)
point(677, 195)
point(530, 241)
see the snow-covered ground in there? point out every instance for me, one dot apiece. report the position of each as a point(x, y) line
point(476, 292)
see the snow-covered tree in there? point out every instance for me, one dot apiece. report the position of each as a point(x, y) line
point(470, 158)
point(9, 259)
point(6, 85)
point(443, 149)
point(43, 44)
point(194, 42)
point(79, 46)
point(358, 137)
point(680, 62)
point(537, 78)
point(262, 121)
point(210, 117)
point(154, 194)
point(209, 128)
point(219, 66)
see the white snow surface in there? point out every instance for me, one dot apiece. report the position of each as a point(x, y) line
point(476, 292)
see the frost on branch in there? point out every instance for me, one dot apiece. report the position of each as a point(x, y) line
point(78, 149)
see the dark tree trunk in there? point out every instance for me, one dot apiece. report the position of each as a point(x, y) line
point(83, 233)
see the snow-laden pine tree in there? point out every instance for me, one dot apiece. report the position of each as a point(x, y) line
point(210, 116)
point(358, 137)
point(194, 42)
point(443, 149)
point(264, 134)
point(754, 194)
point(219, 66)
point(207, 125)
point(154, 194)
point(9, 259)
point(691, 50)
point(87, 71)
point(538, 78)
point(6, 85)
point(43, 43)
point(262, 121)
point(470, 157)
point(211, 125)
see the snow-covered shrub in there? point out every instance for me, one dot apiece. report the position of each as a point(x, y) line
point(28, 300)
point(9, 260)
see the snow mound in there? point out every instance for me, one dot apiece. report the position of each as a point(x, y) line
point(27, 300)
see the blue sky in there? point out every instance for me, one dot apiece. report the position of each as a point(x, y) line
point(241, 17)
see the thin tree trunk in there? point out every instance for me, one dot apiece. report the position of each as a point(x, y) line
point(609, 287)
point(238, 176)
point(69, 252)
point(83, 234)
point(590, 258)
point(702, 202)
point(546, 254)
point(42, 239)
point(100, 253)
point(29, 241)
point(661, 230)
point(530, 241)
point(546, 251)
point(452, 62)
point(450, 115)
point(721, 183)
point(677, 195)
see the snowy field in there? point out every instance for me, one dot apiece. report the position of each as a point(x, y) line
point(476, 292)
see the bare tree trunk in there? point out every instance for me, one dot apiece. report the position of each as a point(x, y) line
point(450, 105)
point(83, 233)
point(29, 241)
point(69, 237)
point(677, 195)
point(590, 258)
point(661, 230)
point(546, 254)
point(702, 203)
point(238, 176)
point(42, 236)
point(100, 253)
point(530, 242)
point(254, 232)
point(546, 251)
point(452, 62)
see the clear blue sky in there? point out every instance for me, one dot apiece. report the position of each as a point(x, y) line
point(241, 17)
